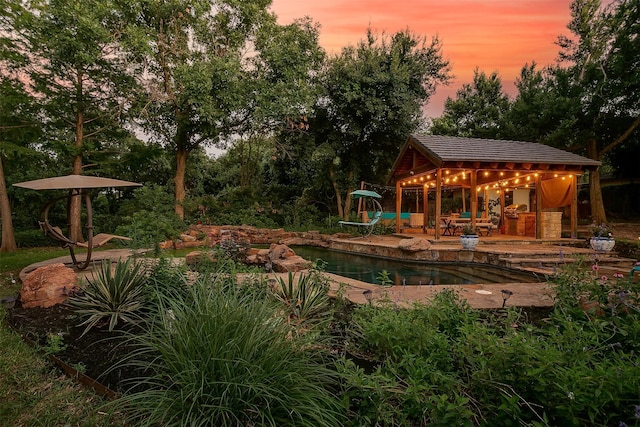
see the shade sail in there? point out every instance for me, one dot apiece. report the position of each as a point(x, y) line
point(74, 182)
point(365, 193)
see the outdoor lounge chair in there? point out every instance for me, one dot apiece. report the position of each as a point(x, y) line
point(98, 240)
point(367, 226)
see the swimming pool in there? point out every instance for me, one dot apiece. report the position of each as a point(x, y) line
point(367, 268)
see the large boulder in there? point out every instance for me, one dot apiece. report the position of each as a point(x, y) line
point(293, 264)
point(415, 244)
point(283, 259)
point(47, 286)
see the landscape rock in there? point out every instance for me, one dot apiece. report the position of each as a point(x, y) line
point(196, 257)
point(292, 263)
point(47, 286)
point(415, 244)
point(277, 252)
point(187, 238)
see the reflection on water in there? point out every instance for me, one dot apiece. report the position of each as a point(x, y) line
point(368, 268)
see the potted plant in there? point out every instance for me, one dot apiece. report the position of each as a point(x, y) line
point(469, 238)
point(602, 238)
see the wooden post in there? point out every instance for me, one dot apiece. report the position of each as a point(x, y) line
point(503, 222)
point(474, 198)
point(398, 204)
point(438, 201)
point(425, 207)
point(486, 203)
point(539, 207)
point(574, 206)
point(464, 201)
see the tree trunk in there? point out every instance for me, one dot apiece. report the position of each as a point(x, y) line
point(343, 207)
point(598, 215)
point(75, 208)
point(8, 243)
point(181, 168)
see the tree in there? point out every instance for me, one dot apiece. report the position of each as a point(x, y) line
point(66, 54)
point(374, 98)
point(604, 72)
point(17, 130)
point(213, 70)
point(477, 111)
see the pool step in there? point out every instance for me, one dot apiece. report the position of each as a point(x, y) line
point(548, 265)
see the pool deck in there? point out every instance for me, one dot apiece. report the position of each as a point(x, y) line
point(541, 257)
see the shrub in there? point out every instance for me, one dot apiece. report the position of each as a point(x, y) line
point(216, 356)
point(306, 300)
point(445, 363)
point(32, 239)
point(109, 298)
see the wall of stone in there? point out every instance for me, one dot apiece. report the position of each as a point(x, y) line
point(551, 225)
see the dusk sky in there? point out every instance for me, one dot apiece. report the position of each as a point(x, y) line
point(493, 35)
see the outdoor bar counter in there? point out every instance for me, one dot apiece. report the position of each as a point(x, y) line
point(525, 224)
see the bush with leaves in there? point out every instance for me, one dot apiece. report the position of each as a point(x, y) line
point(217, 356)
point(148, 218)
point(445, 363)
point(305, 299)
point(111, 297)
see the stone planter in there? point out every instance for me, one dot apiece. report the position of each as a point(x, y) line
point(469, 241)
point(602, 244)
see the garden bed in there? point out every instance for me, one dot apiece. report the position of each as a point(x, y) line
point(56, 332)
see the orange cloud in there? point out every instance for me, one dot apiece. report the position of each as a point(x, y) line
point(493, 35)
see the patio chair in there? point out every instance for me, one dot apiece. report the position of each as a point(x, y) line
point(367, 227)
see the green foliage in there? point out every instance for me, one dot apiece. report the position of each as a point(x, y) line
point(55, 343)
point(217, 356)
point(445, 361)
point(478, 110)
point(305, 301)
point(374, 95)
point(149, 218)
point(31, 239)
point(468, 230)
point(384, 279)
point(111, 297)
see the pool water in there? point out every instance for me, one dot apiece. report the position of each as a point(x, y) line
point(368, 268)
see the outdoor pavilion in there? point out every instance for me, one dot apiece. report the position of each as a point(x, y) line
point(433, 163)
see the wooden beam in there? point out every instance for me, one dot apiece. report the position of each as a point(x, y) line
point(474, 198)
point(438, 202)
point(574, 207)
point(425, 208)
point(510, 165)
point(398, 205)
point(539, 207)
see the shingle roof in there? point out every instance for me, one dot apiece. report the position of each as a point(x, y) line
point(452, 148)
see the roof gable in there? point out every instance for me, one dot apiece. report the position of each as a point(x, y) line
point(422, 153)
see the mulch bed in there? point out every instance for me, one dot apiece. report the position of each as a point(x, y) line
point(95, 353)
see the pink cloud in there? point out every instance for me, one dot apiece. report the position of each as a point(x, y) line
point(493, 35)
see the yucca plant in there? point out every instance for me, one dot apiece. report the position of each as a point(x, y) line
point(111, 297)
point(306, 300)
point(216, 356)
